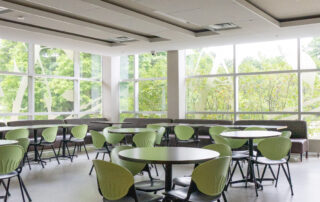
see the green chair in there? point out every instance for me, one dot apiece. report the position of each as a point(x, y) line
point(144, 139)
point(286, 134)
point(100, 144)
point(185, 134)
point(150, 185)
point(116, 183)
point(10, 160)
point(275, 151)
point(78, 134)
point(160, 132)
point(216, 130)
point(113, 138)
point(48, 138)
point(24, 143)
point(17, 134)
point(208, 182)
point(237, 156)
point(224, 150)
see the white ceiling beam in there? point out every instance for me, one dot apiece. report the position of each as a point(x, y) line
point(51, 32)
point(290, 23)
point(257, 11)
point(146, 18)
point(69, 20)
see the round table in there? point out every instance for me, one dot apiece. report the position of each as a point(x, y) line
point(8, 142)
point(250, 135)
point(130, 130)
point(168, 156)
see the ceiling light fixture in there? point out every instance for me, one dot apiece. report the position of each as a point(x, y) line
point(20, 17)
point(223, 26)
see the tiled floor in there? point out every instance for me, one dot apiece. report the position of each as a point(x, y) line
point(70, 182)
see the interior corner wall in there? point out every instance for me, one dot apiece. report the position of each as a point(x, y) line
point(176, 84)
point(110, 87)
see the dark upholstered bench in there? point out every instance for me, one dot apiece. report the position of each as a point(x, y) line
point(142, 122)
point(299, 137)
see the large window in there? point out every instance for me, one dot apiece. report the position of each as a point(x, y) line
point(269, 80)
point(53, 84)
point(143, 86)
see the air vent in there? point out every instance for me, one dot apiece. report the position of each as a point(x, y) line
point(223, 26)
point(121, 39)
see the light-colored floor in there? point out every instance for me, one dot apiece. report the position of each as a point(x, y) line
point(70, 182)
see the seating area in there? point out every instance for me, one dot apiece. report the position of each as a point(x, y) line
point(159, 100)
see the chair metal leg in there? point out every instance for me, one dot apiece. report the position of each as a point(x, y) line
point(277, 176)
point(54, 151)
point(39, 156)
point(21, 189)
point(74, 151)
point(25, 189)
point(5, 187)
point(84, 145)
point(28, 161)
point(232, 173)
point(258, 171)
point(92, 164)
point(7, 190)
point(104, 154)
point(263, 172)
point(224, 197)
point(155, 167)
point(288, 176)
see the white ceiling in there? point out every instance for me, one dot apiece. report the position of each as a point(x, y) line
point(88, 25)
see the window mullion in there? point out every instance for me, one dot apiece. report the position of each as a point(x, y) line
point(31, 97)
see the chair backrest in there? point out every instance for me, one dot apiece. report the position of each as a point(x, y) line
point(10, 158)
point(133, 167)
point(24, 143)
point(17, 134)
point(235, 143)
point(286, 134)
point(114, 181)
point(50, 134)
point(112, 138)
point(80, 131)
point(210, 177)
point(223, 149)
point(256, 128)
point(183, 132)
point(98, 140)
point(216, 130)
point(275, 148)
point(144, 139)
point(160, 132)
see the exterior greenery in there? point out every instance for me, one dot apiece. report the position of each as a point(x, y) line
point(54, 81)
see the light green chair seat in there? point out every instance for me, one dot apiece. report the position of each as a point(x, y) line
point(79, 132)
point(17, 134)
point(50, 134)
point(113, 138)
point(183, 132)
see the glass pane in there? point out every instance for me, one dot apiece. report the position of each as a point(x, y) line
point(88, 116)
point(267, 56)
point(90, 96)
point(53, 95)
point(310, 53)
point(126, 115)
point(267, 117)
point(210, 116)
point(209, 94)
point(13, 94)
point(268, 93)
point(311, 91)
point(90, 66)
point(153, 95)
point(13, 56)
point(313, 123)
point(212, 60)
point(126, 96)
point(153, 66)
point(13, 118)
point(142, 115)
point(127, 67)
point(54, 116)
point(53, 61)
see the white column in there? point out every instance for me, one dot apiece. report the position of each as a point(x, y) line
point(176, 84)
point(76, 83)
point(31, 99)
point(110, 87)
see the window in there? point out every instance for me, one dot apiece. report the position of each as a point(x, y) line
point(143, 86)
point(58, 91)
point(264, 83)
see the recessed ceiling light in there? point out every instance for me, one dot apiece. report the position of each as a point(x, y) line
point(20, 17)
point(120, 39)
point(223, 26)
